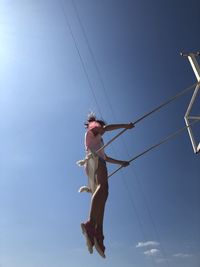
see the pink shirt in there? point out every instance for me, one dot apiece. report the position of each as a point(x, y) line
point(93, 143)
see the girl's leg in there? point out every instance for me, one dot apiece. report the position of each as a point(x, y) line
point(98, 206)
point(93, 229)
point(100, 195)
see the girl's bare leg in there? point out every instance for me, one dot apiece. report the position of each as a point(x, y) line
point(93, 229)
point(100, 196)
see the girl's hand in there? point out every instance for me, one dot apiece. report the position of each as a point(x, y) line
point(129, 125)
point(125, 163)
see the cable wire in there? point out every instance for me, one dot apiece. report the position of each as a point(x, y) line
point(80, 57)
point(151, 112)
point(170, 136)
point(111, 108)
point(103, 86)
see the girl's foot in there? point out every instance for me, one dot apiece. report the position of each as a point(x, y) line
point(98, 242)
point(88, 230)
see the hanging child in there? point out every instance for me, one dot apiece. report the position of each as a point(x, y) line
point(93, 228)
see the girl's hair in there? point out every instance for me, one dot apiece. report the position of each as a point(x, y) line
point(92, 117)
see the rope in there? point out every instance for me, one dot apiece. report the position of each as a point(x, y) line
point(109, 142)
point(91, 87)
point(79, 54)
point(82, 162)
point(167, 102)
point(150, 113)
point(104, 89)
point(112, 111)
point(172, 135)
point(92, 54)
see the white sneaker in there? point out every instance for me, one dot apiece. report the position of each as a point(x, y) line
point(198, 148)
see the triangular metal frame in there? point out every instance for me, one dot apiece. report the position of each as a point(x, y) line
point(188, 118)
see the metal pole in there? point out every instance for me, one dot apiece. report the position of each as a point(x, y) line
point(195, 66)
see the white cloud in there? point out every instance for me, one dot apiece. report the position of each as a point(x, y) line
point(151, 252)
point(182, 255)
point(147, 244)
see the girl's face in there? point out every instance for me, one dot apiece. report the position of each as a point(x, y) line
point(96, 127)
point(98, 130)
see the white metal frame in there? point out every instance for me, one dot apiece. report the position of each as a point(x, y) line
point(195, 66)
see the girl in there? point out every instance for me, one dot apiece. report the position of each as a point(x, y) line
point(93, 228)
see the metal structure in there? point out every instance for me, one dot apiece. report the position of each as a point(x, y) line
point(188, 118)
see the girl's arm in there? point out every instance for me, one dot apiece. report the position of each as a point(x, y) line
point(111, 127)
point(116, 161)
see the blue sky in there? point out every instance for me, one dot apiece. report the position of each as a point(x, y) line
point(152, 214)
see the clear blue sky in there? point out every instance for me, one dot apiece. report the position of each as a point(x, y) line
point(152, 214)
